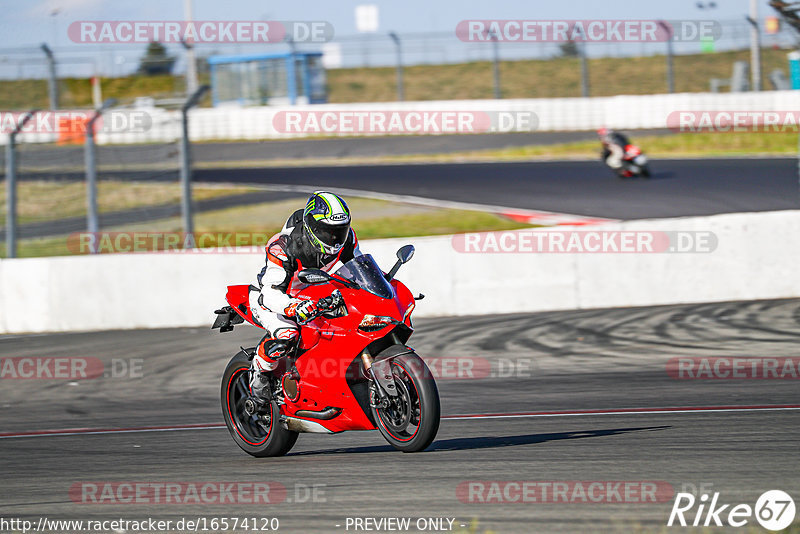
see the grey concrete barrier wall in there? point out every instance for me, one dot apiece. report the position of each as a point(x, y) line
point(754, 255)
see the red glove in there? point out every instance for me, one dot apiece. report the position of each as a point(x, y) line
point(303, 310)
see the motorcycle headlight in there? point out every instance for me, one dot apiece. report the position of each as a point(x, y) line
point(408, 312)
point(371, 323)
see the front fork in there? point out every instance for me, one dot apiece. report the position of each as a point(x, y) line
point(378, 398)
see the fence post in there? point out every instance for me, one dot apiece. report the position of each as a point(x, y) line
point(11, 187)
point(755, 46)
point(186, 170)
point(400, 92)
point(188, 45)
point(670, 73)
point(496, 64)
point(52, 84)
point(584, 66)
point(90, 161)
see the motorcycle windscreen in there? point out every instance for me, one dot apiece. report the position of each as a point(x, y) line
point(364, 271)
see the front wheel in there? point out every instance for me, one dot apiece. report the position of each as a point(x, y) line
point(411, 420)
point(257, 434)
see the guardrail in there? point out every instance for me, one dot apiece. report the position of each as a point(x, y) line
point(755, 256)
point(624, 112)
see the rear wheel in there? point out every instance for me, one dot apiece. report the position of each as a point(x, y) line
point(257, 434)
point(411, 420)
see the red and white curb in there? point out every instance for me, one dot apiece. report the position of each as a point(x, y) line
point(547, 218)
point(538, 217)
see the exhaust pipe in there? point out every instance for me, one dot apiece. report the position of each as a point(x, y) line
point(326, 414)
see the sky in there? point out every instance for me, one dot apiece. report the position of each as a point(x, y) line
point(29, 22)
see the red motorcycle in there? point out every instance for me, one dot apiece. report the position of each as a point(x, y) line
point(634, 163)
point(350, 369)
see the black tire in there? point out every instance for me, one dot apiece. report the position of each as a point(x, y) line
point(252, 434)
point(645, 172)
point(410, 430)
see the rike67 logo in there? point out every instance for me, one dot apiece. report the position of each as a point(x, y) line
point(774, 510)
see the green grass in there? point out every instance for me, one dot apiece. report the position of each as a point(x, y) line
point(77, 92)
point(559, 77)
point(43, 200)
point(678, 145)
point(552, 78)
point(372, 219)
point(659, 146)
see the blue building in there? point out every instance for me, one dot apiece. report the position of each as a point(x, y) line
point(268, 79)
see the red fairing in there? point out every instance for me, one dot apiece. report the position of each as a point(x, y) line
point(631, 151)
point(332, 345)
point(239, 299)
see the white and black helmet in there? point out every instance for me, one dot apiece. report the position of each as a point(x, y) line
point(326, 222)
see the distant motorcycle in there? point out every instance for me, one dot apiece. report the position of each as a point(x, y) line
point(633, 161)
point(351, 369)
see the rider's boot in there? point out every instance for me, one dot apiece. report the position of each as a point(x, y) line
point(266, 359)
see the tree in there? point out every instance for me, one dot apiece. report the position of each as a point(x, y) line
point(155, 60)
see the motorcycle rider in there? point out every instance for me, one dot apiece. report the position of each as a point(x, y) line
point(614, 144)
point(317, 237)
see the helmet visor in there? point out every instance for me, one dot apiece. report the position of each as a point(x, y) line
point(332, 237)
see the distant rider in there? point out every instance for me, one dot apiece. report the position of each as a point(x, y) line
point(614, 144)
point(317, 237)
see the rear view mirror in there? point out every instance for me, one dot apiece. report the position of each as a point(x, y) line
point(313, 276)
point(403, 255)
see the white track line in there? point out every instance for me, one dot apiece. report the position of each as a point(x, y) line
point(536, 216)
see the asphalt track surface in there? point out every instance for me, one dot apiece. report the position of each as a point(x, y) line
point(599, 360)
point(678, 188)
point(57, 156)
